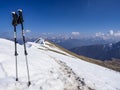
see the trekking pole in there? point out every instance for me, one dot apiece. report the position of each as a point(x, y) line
point(14, 23)
point(20, 21)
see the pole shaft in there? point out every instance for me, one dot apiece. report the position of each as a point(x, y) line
point(25, 52)
point(27, 68)
point(16, 68)
point(24, 41)
point(15, 40)
point(20, 21)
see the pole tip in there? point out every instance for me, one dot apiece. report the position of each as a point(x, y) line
point(16, 79)
point(20, 10)
point(29, 83)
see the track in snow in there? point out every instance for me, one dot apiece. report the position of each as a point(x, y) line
point(2, 70)
point(71, 81)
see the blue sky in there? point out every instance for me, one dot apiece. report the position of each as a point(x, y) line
point(62, 16)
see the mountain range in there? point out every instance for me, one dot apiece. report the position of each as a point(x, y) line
point(99, 51)
point(72, 43)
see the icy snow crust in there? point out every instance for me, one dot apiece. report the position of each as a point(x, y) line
point(52, 69)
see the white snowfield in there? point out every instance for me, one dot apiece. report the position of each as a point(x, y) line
point(52, 69)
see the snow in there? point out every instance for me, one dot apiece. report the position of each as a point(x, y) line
point(13, 12)
point(20, 10)
point(52, 69)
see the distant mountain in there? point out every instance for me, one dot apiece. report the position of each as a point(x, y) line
point(99, 51)
point(71, 43)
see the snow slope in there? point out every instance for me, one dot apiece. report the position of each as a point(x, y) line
point(52, 69)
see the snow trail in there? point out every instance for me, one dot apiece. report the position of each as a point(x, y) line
point(72, 81)
point(76, 82)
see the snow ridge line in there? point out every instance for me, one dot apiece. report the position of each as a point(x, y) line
point(2, 68)
point(70, 74)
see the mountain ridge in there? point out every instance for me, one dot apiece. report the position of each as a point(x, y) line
point(99, 51)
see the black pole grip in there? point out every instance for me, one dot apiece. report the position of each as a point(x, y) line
point(15, 18)
point(20, 18)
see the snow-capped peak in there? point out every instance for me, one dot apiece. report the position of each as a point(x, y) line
point(40, 41)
